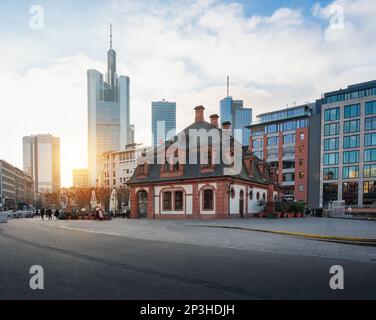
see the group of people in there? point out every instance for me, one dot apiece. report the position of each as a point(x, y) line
point(48, 213)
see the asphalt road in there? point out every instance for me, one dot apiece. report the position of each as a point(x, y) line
point(80, 265)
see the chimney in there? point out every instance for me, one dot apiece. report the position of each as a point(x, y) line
point(214, 120)
point(226, 125)
point(199, 113)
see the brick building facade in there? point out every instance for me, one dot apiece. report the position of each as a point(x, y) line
point(180, 189)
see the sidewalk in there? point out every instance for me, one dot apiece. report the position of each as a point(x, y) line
point(320, 227)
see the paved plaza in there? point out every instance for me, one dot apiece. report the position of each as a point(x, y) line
point(194, 232)
point(168, 260)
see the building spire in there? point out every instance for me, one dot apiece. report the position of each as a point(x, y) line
point(111, 36)
point(111, 63)
point(228, 86)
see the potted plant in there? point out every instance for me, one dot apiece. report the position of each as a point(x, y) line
point(280, 208)
point(292, 209)
point(300, 207)
point(277, 215)
point(261, 205)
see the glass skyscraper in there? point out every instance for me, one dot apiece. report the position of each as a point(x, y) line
point(240, 117)
point(41, 160)
point(108, 115)
point(163, 121)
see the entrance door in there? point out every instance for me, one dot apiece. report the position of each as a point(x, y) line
point(142, 204)
point(241, 204)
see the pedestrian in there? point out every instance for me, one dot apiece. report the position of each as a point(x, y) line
point(42, 213)
point(49, 213)
point(57, 212)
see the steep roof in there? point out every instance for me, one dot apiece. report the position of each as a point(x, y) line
point(193, 171)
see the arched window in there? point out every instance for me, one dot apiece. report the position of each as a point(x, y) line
point(208, 204)
point(258, 196)
point(264, 196)
point(232, 192)
point(241, 194)
point(251, 195)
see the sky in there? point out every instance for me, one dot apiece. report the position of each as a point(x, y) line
point(277, 54)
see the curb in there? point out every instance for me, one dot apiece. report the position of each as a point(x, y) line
point(339, 239)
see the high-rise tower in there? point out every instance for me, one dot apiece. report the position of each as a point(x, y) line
point(108, 114)
point(41, 160)
point(233, 111)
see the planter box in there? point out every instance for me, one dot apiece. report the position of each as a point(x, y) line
point(261, 215)
point(291, 215)
point(298, 215)
point(277, 215)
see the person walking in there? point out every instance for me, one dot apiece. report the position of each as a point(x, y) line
point(57, 212)
point(49, 213)
point(42, 213)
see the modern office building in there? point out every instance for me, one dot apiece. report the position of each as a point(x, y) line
point(233, 111)
point(108, 114)
point(118, 167)
point(16, 187)
point(80, 178)
point(41, 160)
point(131, 134)
point(163, 121)
point(282, 139)
point(348, 146)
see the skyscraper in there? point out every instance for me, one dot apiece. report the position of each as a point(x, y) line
point(233, 111)
point(80, 178)
point(163, 121)
point(41, 160)
point(108, 114)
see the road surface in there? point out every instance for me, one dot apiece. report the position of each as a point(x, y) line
point(82, 265)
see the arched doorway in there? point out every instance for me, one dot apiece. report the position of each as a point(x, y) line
point(142, 199)
point(241, 204)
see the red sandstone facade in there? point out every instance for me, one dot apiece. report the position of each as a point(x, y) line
point(201, 191)
point(277, 157)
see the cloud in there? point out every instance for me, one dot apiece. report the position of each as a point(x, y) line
point(181, 51)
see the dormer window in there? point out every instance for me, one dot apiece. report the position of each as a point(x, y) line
point(209, 158)
point(177, 166)
point(166, 166)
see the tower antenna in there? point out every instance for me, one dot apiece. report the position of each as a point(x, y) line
point(111, 36)
point(228, 86)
